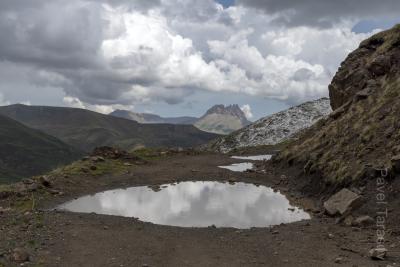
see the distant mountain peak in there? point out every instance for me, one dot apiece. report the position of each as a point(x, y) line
point(222, 119)
point(232, 110)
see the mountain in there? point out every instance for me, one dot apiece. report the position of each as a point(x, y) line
point(152, 118)
point(26, 152)
point(275, 128)
point(86, 130)
point(222, 120)
point(361, 136)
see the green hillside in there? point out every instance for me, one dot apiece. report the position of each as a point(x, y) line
point(86, 130)
point(25, 152)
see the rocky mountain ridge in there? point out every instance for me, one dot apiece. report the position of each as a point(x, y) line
point(222, 119)
point(275, 128)
point(218, 119)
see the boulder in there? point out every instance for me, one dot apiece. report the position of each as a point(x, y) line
point(380, 65)
point(363, 94)
point(45, 181)
point(342, 202)
point(378, 253)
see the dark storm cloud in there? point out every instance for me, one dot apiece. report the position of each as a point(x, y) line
point(323, 13)
point(45, 36)
point(63, 41)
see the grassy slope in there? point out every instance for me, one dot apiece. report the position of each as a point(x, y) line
point(86, 129)
point(26, 152)
point(364, 134)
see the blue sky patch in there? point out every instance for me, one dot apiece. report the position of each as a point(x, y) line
point(370, 25)
point(226, 3)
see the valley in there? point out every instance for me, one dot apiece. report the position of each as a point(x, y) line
point(77, 239)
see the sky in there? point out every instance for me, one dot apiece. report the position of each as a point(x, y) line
point(179, 57)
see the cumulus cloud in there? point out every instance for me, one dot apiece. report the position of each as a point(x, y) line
point(323, 13)
point(105, 109)
point(247, 111)
point(112, 54)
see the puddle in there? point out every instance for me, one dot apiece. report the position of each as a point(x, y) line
point(194, 204)
point(259, 157)
point(238, 167)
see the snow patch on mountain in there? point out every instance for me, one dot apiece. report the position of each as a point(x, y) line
point(275, 128)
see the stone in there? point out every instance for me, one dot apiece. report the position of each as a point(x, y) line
point(363, 94)
point(20, 255)
point(32, 187)
point(97, 159)
point(45, 181)
point(4, 210)
point(363, 221)
point(28, 181)
point(339, 260)
point(395, 160)
point(348, 221)
point(378, 253)
point(380, 65)
point(342, 202)
point(6, 194)
point(85, 158)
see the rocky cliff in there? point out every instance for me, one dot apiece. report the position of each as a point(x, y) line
point(222, 120)
point(275, 128)
point(362, 133)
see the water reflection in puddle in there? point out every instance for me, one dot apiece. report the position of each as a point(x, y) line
point(238, 167)
point(194, 204)
point(259, 157)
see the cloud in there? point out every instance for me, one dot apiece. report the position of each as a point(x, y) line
point(107, 54)
point(247, 111)
point(105, 109)
point(3, 102)
point(323, 13)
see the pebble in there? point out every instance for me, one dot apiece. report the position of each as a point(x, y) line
point(339, 260)
point(20, 255)
point(378, 253)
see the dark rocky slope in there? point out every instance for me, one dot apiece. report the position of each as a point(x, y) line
point(25, 152)
point(362, 134)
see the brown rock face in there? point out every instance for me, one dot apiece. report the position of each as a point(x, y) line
point(364, 68)
point(362, 135)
